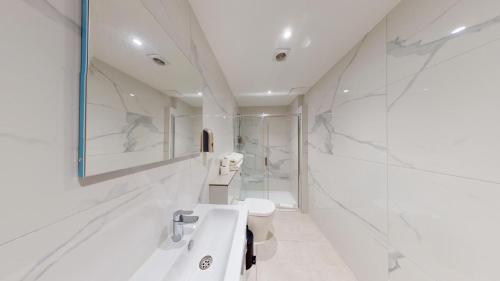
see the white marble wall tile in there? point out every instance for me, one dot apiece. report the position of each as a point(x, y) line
point(402, 269)
point(445, 121)
point(358, 186)
point(353, 124)
point(441, 110)
point(446, 225)
point(175, 17)
point(363, 250)
point(111, 88)
point(420, 33)
point(122, 131)
point(134, 221)
point(366, 70)
point(347, 155)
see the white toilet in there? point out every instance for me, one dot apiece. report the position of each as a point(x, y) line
point(260, 217)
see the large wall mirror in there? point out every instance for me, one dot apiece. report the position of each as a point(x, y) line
point(141, 98)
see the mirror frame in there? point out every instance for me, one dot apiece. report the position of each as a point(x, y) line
point(82, 115)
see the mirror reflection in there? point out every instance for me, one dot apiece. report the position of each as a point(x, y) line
point(143, 96)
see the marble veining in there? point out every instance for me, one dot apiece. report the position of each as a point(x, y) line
point(93, 69)
point(133, 140)
point(314, 183)
point(270, 138)
point(340, 77)
point(25, 140)
point(50, 11)
point(324, 120)
point(429, 169)
point(123, 130)
point(394, 258)
point(58, 239)
point(400, 48)
point(79, 237)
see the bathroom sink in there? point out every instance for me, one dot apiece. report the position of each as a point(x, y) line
point(211, 250)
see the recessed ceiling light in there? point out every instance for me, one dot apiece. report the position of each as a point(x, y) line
point(347, 91)
point(269, 92)
point(137, 41)
point(287, 33)
point(200, 94)
point(458, 29)
point(131, 94)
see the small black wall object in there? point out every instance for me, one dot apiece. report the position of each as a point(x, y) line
point(207, 141)
point(250, 258)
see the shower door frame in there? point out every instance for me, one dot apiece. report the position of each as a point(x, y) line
point(265, 133)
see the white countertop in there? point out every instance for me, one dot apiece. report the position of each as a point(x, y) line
point(223, 180)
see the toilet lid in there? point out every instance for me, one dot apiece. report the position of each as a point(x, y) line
point(260, 207)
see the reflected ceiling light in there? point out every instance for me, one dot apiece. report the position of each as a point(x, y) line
point(458, 29)
point(200, 94)
point(347, 91)
point(269, 92)
point(131, 94)
point(137, 41)
point(287, 33)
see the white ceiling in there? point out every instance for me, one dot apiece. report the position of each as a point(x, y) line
point(244, 34)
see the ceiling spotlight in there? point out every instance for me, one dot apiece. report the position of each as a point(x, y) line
point(347, 91)
point(458, 29)
point(287, 33)
point(200, 94)
point(269, 92)
point(131, 94)
point(137, 41)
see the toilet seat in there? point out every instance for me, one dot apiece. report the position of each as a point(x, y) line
point(259, 207)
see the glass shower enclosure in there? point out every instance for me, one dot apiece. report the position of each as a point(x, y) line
point(270, 144)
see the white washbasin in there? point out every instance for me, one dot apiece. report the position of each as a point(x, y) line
point(219, 233)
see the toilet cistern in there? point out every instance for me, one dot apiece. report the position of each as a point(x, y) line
point(179, 219)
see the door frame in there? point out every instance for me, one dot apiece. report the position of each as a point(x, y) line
point(265, 134)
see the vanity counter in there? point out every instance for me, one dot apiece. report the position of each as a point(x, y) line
point(223, 180)
point(224, 189)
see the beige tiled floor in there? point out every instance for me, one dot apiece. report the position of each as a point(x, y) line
point(298, 251)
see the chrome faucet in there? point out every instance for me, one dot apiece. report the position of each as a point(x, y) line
point(179, 220)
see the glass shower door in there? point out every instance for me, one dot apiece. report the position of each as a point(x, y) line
point(251, 142)
point(282, 160)
point(271, 156)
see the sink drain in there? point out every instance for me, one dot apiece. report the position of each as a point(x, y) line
point(205, 262)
